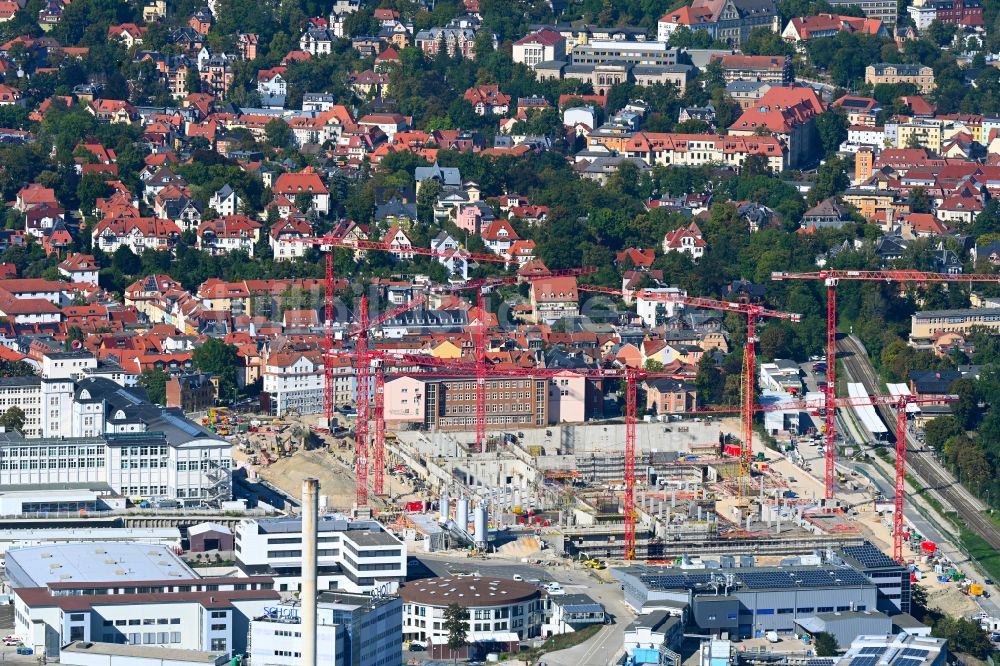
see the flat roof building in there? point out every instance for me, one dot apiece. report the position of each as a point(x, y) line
point(496, 606)
point(129, 594)
point(352, 630)
point(38, 566)
point(355, 556)
point(896, 650)
point(87, 653)
point(745, 601)
point(845, 627)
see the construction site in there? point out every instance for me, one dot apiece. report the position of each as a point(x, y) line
point(661, 490)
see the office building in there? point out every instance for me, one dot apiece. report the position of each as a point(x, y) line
point(356, 556)
point(89, 653)
point(129, 594)
point(599, 52)
point(497, 606)
point(102, 433)
point(747, 601)
point(352, 630)
point(891, 578)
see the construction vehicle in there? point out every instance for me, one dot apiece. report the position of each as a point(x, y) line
point(976, 590)
point(596, 565)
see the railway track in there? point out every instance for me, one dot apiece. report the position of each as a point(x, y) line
point(923, 464)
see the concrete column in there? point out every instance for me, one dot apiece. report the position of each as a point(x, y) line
point(310, 494)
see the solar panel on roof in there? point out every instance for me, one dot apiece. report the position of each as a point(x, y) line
point(864, 661)
point(914, 652)
point(872, 650)
point(908, 662)
point(869, 556)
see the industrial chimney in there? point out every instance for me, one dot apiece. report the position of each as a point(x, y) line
point(310, 498)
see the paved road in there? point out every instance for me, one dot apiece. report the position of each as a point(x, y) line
point(918, 459)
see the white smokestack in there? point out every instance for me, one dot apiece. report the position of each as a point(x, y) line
point(310, 496)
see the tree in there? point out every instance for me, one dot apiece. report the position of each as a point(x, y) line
point(963, 635)
point(16, 369)
point(920, 202)
point(708, 380)
point(939, 430)
point(13, 419)
point(125, 262)
point(832, 128)
point(826, 645)
point(456, 623)
point(278, 133)
point(155, 383)
point(221, 360)
point(766, 42)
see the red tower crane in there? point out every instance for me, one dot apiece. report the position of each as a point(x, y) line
point(832, 278)
point(752, 311)
point(365, 358)
point(483, 286)
point(327, 244)
point(631, 377)
point(900, 402)
point(366, 361)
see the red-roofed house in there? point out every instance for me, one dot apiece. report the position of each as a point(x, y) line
point(9, 96)
point(128, 34)
point(531, 214)
point(34, 196)
point(306, 181)
point(772, 69)
point(8, 10)
point(959, 209)
point(693, 18)
point(540, 46)
point(398, 242)
point(79, 268)
point(918, 105)
point(804, 28)
point(788, 113)
point(487, 100)
point(685, 239)
point(553, 298)
point(385, 60)
point(137, 233)
point(225, 234)
point(639, 258)
point(112, 111)
point(522, 251)
point(283, 239)
point(922, 225)
point(499, 235)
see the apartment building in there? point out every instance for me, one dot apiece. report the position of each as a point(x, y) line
point(436, 403)
point(700, 149)
point(355, 556)
point(925, 326)
point(886, 10)
point(921, 76)
point(553, 299)
point(769, 69)
point(293, 381)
